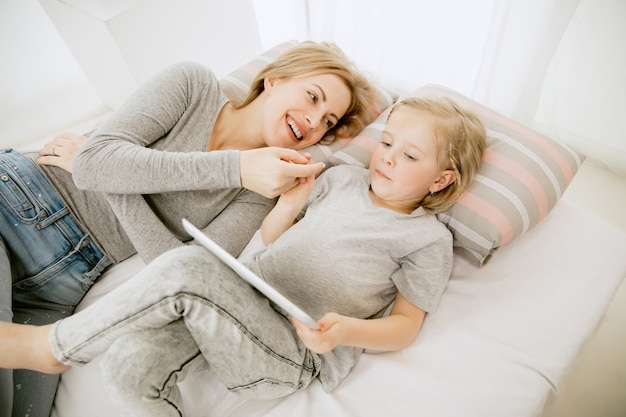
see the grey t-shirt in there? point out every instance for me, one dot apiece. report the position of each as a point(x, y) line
point(148, 165)
point(348, 256)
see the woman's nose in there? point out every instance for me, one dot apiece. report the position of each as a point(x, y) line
point(313, 119)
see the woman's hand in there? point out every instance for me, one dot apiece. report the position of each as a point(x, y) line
point(326, 338)
point(61, 150)
point(272, 171)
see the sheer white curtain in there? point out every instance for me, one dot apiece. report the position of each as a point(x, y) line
point(496, 51)
point(520, 57)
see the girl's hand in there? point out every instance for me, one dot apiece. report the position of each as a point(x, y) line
point(326, 338)
point(61, 150)
point(298, 195)
point(272, 171)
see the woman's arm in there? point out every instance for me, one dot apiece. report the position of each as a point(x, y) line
point(394, 332)
point(157, 140)
point(146, 231)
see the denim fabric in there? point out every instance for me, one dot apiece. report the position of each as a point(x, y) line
point(53, 263)
point(6, 375)
point(253, 349)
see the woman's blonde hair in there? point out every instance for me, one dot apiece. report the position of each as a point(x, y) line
point(462, 139)
point(311, 58)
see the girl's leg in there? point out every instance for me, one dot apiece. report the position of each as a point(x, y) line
point(254, 350)
point(141, 370)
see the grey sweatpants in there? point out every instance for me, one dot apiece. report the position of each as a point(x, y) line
point(184, 312)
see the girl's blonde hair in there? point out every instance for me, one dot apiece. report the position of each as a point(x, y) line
point(462, 139)
point(311, 58)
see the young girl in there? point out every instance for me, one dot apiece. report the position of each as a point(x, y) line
point(177, 148)
point(366, 241)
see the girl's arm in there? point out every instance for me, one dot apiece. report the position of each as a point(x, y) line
point(394, 332)
point(284, 213)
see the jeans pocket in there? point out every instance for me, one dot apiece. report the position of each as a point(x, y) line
point(16, 197)
point(65, 282)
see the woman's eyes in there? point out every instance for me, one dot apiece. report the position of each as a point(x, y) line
point(329, 123)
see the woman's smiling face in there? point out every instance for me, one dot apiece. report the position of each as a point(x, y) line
point(300, 110)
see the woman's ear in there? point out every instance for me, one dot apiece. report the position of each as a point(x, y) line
point(268, 83)
point(446, 178)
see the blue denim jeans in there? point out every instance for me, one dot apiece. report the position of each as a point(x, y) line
point(184, 312)
point(47, 264)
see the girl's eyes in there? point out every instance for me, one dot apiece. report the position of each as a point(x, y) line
point(329, 123)
point(408, 156)
point(312, 96)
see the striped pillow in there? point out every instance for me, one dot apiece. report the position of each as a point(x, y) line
point(523, 175)
point(236, 85)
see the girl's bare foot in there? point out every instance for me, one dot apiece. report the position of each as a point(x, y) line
point(24, 346)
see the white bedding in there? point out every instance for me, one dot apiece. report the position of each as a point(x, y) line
point(501, 340)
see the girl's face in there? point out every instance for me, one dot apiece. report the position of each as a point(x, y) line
point(300, 110)
point(404, 166)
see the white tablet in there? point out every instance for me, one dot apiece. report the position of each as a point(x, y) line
point(252, 278)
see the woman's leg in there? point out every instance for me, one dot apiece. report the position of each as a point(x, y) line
point(34, 392)
point(6, 315)
point(47, 265)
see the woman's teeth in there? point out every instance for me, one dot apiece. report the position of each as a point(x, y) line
point(295, 129)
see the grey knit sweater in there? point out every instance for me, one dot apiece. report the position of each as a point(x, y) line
point(147, 167)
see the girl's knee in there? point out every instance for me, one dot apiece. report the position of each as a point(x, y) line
point(188, 260)
point(181, 269)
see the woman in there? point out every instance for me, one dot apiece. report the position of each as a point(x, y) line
point(380, 244)
point(177, 148)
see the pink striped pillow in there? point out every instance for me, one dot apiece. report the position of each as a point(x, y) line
point(236, 85)
point(523, 175)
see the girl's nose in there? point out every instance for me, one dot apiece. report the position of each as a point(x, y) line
point(388, 158)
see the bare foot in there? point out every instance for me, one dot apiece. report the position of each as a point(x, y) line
point(24, 346)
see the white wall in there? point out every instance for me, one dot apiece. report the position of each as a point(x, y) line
point(583, 100)
point(71, 60)
point(67, 61)
point(43, 88)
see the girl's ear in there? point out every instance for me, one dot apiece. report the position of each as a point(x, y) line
point(446, 178)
